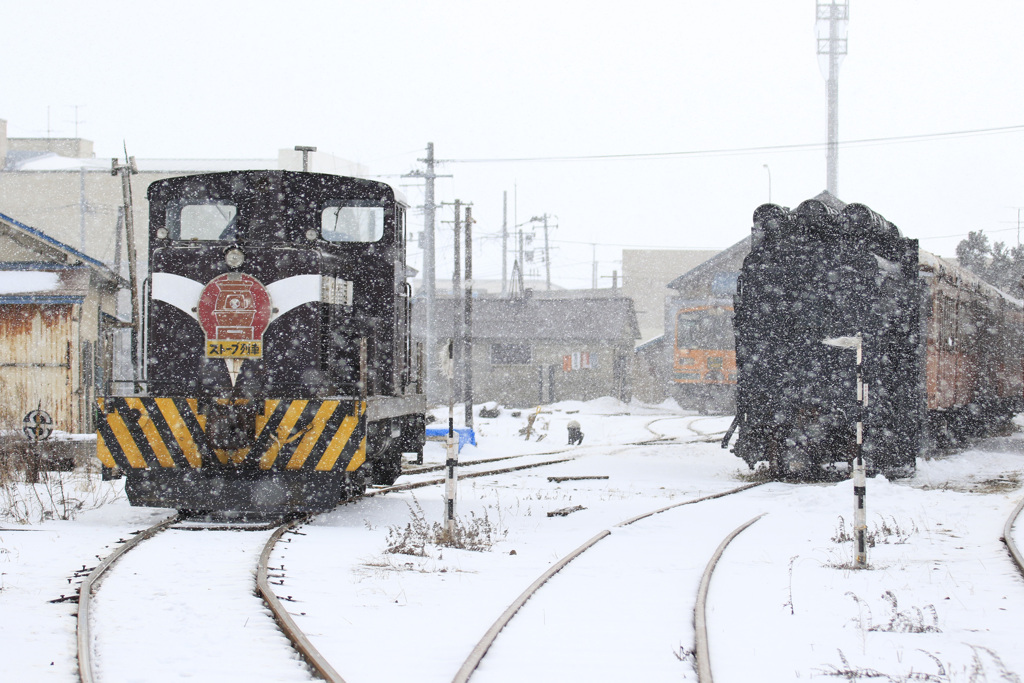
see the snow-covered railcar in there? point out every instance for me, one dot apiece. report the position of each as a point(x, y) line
point(279, 368)
point(941, 352)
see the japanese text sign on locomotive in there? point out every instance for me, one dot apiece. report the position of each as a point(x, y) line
point(234, 311)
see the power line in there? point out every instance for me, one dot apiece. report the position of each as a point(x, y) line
point(964, 234)
point(639, 246)
point(746, 150)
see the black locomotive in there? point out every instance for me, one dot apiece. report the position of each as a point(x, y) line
point(280, 373)
point(941, 351)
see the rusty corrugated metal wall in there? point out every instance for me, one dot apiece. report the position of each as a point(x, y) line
point(38, 364)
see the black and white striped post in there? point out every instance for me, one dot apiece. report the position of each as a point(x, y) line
point(860, 525)
point(452, 459)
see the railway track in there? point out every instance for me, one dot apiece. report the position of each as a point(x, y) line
point(86, 639)
point(169, 610)
point(87, 644)
point(1008, 539)
point(611, 539)
point(343, 654)
point(476, 656)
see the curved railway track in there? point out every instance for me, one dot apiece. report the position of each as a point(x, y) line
point(89, 584)
point(480, 650)
point(657, 438)
point(702, 653)
point(88, 639)
point(1011, 545)
point(320, 664)
point(300, 642)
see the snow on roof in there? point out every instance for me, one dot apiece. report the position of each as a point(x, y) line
point(54, 162)
point(929, 262)
point(60, 246)
point(21, 281)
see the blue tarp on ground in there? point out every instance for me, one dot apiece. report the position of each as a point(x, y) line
point(465, 435)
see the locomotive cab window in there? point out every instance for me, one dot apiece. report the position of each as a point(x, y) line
point(352, 222)
point(206, 221)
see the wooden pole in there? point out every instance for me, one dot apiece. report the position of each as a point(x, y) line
point(125, 170)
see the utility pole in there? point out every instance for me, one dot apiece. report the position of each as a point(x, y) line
point(457, 321)
point(547, 254)
point(305, 156)
point(504, 243)
point(126, 170)
point(468, 334)
point(522, 253)
point(831, 24)
point(428, 254)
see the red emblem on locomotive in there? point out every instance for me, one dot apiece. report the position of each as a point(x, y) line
point(234, 311)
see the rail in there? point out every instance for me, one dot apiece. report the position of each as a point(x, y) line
point(1011, 545)
point(291, 630)
point(85, 672)
point(701, 651)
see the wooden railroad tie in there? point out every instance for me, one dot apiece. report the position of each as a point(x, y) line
point(566, 511)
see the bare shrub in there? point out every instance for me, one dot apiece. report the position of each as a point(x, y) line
point(30, 495)
point(882, 531)
point(978, 672)
point(911, 620)
point(476, 533)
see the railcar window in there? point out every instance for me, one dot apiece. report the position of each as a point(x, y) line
point(208, 221)
point(704, 329)
point(352, 223)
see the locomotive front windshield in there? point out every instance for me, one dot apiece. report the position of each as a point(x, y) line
point(208, 221)
point(340, 220)
point(351, 222)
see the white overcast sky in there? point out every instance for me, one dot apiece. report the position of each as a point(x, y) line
point(375, 81)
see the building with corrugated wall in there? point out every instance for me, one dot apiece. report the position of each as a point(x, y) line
point(57, 326)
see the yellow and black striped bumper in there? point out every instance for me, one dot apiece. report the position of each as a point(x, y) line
point(308, 435)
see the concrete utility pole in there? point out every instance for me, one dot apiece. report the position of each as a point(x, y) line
point(126, 170)
point(522, 251)
point(428, 253)
point(547, 247)
point(832, 19)
point(467, 353)
point(504, 243)
point(457, 320)
point(305, 156)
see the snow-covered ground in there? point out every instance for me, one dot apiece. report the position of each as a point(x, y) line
point(939, 602)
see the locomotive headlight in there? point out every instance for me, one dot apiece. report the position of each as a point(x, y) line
point(234, 257)
point(311, 235)
point(161, 233)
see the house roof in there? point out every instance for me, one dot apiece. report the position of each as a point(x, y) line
point(551, 319)
point(49, 248)
point(702, 277)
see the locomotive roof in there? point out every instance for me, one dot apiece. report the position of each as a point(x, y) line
point(323, 181)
